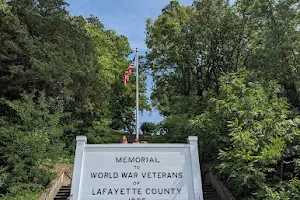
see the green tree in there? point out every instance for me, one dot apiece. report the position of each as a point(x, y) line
point(196, 55)
point(30, 140)
point(251, 126)
point(189, 49)
point(60, 76)
point(271, 29)
point(149, 128)
point(117, 102)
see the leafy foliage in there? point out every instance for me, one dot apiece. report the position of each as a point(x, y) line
point(29, 139)
point(255, 134)
point(23, 191)
point(60, 76)
point(229, 74)
point(286, 190)
point(149, 128)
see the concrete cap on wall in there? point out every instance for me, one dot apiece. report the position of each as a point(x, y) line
point(81, 138)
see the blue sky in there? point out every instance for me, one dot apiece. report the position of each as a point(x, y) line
point(127, 17)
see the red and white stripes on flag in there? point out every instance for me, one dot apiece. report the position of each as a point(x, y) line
point(128, 72)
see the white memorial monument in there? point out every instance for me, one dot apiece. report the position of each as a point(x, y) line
point(136, 171)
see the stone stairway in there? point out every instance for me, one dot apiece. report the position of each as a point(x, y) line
point(63, 193)
point(209, 193)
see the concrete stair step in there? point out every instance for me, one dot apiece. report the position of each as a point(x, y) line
point(63, 193)
point(66, 186)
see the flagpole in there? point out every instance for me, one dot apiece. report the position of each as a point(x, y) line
point(137, 94)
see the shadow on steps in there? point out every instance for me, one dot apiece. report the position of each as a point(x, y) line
point(63, 193)
point(209, 193)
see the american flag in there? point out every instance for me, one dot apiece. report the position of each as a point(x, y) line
point(128, 72)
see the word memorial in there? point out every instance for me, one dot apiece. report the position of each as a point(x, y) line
point(136, 171)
